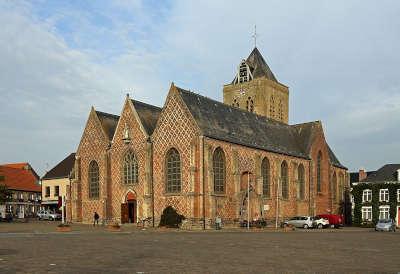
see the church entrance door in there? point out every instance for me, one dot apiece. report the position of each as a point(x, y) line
point(129, 208)
point(132, 211)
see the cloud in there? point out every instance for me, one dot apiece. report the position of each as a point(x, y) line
point(58, 58)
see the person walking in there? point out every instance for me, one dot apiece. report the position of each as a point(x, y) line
point(96, 218)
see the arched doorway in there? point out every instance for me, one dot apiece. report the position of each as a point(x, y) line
point(129, 208)
point(249, 207)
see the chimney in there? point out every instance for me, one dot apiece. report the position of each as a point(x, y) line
point(398, 175)
point(362, 174)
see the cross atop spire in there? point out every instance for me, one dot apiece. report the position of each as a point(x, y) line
point(255, 36)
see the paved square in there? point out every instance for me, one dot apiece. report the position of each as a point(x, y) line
point(94, 250)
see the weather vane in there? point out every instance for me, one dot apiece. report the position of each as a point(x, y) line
point(255, 36)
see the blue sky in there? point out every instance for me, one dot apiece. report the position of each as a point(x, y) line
point(340, 60)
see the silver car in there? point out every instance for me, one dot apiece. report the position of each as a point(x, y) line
point(385, 225)
point(300, 221)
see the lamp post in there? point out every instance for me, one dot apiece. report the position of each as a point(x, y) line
point(277, 204)
point(248, 200)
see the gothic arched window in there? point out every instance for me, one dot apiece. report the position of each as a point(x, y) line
point(272, 107)
point(284, 180)
point(94, 179)
point(219, 170)
point(235, 103)
point(130, 168)
point(265, 171)
point(280, 110)
point(319, 172)
point(301, 182)
point(173, 168)
point(250, 104)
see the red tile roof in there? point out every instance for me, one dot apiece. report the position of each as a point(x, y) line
point(20, 176)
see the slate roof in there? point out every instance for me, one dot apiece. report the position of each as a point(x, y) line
point(223, 122)
point(148, 115)
point(258, 66)
point(20, 177)
point(62, 169)
point(108, 122)
point(387, 173)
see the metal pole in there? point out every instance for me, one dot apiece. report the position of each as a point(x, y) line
point(62, 209)
point(277, 205)
point(248, 200)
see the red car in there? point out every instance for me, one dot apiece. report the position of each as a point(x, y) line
point(335, 220)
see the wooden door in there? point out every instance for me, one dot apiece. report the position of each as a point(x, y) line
point(124, 213)
point(132, 211)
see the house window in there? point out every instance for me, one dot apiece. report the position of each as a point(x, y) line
point(173, 167)
point(366, 213)
point(301, 184)
point(384, 195)
point(384, 212)
point(319, 171)
point(56, 191)
point(219, 170)
point(47, 194)
point(94, 184)
point(265, 171)
point(367, 196)
point(130, 168)
point(398, 195)
point(284, 180)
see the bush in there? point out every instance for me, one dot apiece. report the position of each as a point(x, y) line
point(171, 218)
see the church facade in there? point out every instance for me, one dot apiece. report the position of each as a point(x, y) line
point(235, 160)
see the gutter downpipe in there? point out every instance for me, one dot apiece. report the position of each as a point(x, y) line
point(202, 166)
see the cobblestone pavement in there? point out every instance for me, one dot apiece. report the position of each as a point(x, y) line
point(37, 248)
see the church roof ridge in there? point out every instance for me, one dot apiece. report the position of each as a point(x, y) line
point(232, 107)
point(145, 104)
point(107, 114)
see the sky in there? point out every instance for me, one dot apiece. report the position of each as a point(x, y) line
point(340, 60)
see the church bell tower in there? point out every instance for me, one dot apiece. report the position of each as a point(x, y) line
point(256, 89)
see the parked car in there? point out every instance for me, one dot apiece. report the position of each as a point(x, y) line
point(320, 222)
point(335, 220)
point(385, 225)
point(6, 217)
point(47, 215)
point(300, 221)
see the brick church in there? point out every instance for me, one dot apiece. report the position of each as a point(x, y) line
point(203, 157)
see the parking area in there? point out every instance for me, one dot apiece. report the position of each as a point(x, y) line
point(39, 249)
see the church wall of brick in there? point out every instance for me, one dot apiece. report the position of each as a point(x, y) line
point(239, 161)
point(93, 146)
point(176, 129)
point(137, 145)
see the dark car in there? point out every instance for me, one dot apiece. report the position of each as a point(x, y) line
point(8, 217)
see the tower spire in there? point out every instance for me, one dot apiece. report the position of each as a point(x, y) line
point(255, 36)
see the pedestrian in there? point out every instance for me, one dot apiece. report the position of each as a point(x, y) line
point(217, 223)
point(96, 219)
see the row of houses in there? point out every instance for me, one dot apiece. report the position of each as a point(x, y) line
point(374, 194)
point(29, 193)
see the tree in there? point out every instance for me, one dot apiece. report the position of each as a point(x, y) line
point(171, 218)
point(5, 193)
